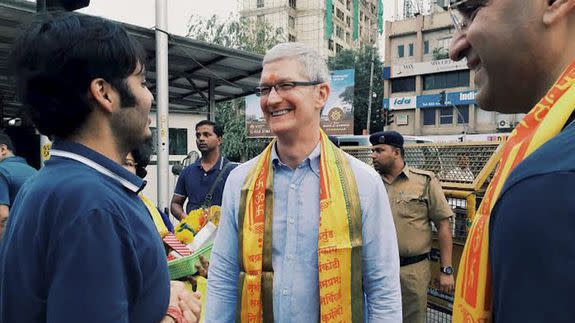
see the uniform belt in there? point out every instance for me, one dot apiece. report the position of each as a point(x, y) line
point(404, 261)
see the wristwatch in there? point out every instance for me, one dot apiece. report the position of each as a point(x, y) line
point(448, 270)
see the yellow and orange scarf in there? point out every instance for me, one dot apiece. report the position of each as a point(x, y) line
point(156, 216)
point(339, 242)
point(543, 122)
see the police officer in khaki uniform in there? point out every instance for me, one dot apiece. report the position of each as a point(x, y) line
point(416, 198)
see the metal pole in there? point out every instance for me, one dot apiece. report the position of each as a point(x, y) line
point(370, 90)
point(162, 103)
point(211, 100)
point(465, 124)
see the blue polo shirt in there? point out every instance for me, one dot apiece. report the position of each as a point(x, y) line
point(80, 246)
point(194, 183)
point(14, 171)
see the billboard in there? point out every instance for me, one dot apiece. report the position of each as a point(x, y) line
point(336, 116)
point(430, 100)
point(255, 123)
point(451, 98)
point(422, 68)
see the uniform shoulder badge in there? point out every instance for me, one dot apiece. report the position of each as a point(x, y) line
point(422, 172)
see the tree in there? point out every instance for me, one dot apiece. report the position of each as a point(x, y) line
point(360, 60)
point(440, 53)
point(243, 34)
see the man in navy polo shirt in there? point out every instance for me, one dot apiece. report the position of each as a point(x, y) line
point(14, 171)
point(203, 176)
point(79, 244)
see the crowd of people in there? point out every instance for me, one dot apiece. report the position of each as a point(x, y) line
point(306, 232)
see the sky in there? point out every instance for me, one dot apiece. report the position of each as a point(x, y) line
point(141, 12)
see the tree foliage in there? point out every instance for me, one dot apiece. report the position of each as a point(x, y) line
point(360, 60)
point(244, 34)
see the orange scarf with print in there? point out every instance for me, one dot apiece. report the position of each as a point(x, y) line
point(543, 122)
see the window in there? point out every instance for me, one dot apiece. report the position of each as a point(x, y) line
point(178, 138)
point(330, 44)
point(260, 19)
point(444, 43)
point(339, 14)
point(348, 4)
point(410, 49)
point(463, 114)
point(260, 3)
point(446, 80)
point(347, 37)
point(292, 3)
point(332, 9)
point(291, 38)
point(338, 48)
point(403, 84)
point(446, 115)
point(339, 32)
point(348, 21)
point(428, 117)
point(291, 22)
point(400, 50)
point(426, 47)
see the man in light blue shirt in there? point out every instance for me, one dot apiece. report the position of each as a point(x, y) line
point(294, 88)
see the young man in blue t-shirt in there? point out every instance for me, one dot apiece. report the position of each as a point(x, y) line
point(206, 176)
point(79, 244)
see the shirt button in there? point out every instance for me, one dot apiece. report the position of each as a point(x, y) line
point(290, 256)
point(291, 220)
point(285, 292)
point(292, 186)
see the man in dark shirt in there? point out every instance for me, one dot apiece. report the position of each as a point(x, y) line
point(14, 171)
point(198, 179)
point(79, 244)
point(518, 261)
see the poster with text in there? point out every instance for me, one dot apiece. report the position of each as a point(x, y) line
point(337, 115)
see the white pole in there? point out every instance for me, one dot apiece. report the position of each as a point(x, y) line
point(162, 103)
point(370, 90)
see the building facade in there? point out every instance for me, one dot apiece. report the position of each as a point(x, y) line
point(308, 21)
point(418, 71)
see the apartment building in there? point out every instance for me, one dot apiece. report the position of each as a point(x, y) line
point(418, 70)
point(353, 22)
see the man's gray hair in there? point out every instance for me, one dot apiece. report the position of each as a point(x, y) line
point(314, 66)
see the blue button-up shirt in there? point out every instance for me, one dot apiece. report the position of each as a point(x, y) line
point(80, 246)
point(295, 241)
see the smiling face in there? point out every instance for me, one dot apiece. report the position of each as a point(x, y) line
point(296, 110)
point(504, 44)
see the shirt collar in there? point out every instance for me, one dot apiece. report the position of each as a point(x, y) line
point(99, 162)
point(14, 159)
point(221, 163)
point(312, 160)
point(406, 171)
